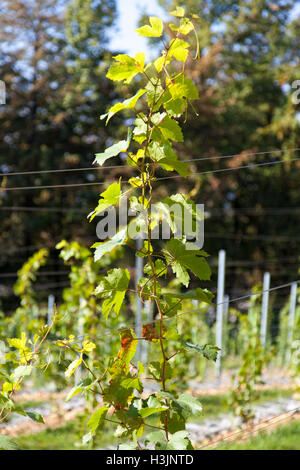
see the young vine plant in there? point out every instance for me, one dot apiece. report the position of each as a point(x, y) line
point(145, 419)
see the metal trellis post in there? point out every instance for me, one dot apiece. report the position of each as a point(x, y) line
point(50, 314)
point(220, 305)
point(293, 300)
point(264, 309)
point(225, 322)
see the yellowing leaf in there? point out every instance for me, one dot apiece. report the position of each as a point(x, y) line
point(178, 12)
point(183, 87)
point(105, 247)
point(159, 63)
point(114, 150)
point(97, 419)
point(88, 346)
point(186, 26)
point(127, 104)
point(179, 49)
point(132, 159)
point(153, 31)
point(73, 366)
point(110, 197)
point(126, 67)
point(18, 343)
point(136, 182)
point(113, 286)
point(7, 387)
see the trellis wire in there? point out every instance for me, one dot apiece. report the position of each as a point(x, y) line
point(134, 326)
point(243, 153)
point(164, 178)
point(268, 420)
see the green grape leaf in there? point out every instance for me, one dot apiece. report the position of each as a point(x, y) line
point(22, 371)
point(175, 107)
point(85, 384)
point(155, 93)
point(158, 437)
point(110, 197)
point(145, 412)
point(126, 447)
point(203, 295)
point(207, 350)
point(113, 286)
point(167, 158)
point(6, 402)
point(126, 68)
point(6, 443)
point(132, 382)
point(127, 104)
point(180, 213)
point(114, 150)
point(35, 416)
point(160, 268)
point(183, 87)
point(170, 129)
point(177, 441)
point(190, 405)
point(156, 370)
point(176, 422)
point(105, 247)
point(140, 130)
point(97, 419)
point(73, 366)
point(153, 31)
point(182, 259)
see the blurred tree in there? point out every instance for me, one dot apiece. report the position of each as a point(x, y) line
point(53, 57)
point(249, 57)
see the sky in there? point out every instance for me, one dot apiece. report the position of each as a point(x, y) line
point(125, 38)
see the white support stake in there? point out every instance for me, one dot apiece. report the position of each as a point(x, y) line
point(226, 307)
point(51, 301)
point(225, 321)
point(220, 305)
point(138, 317)
point(293, 300)
point(264, 309)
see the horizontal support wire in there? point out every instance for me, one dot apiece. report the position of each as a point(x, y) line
point(259, 426)
point(243, 153)
point(164, 178)
point(111, 331)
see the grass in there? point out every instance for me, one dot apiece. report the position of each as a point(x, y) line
point(214, 405)
point(68, 437)
point(283, 438)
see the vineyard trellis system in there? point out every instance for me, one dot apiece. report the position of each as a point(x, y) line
point(111, 374)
